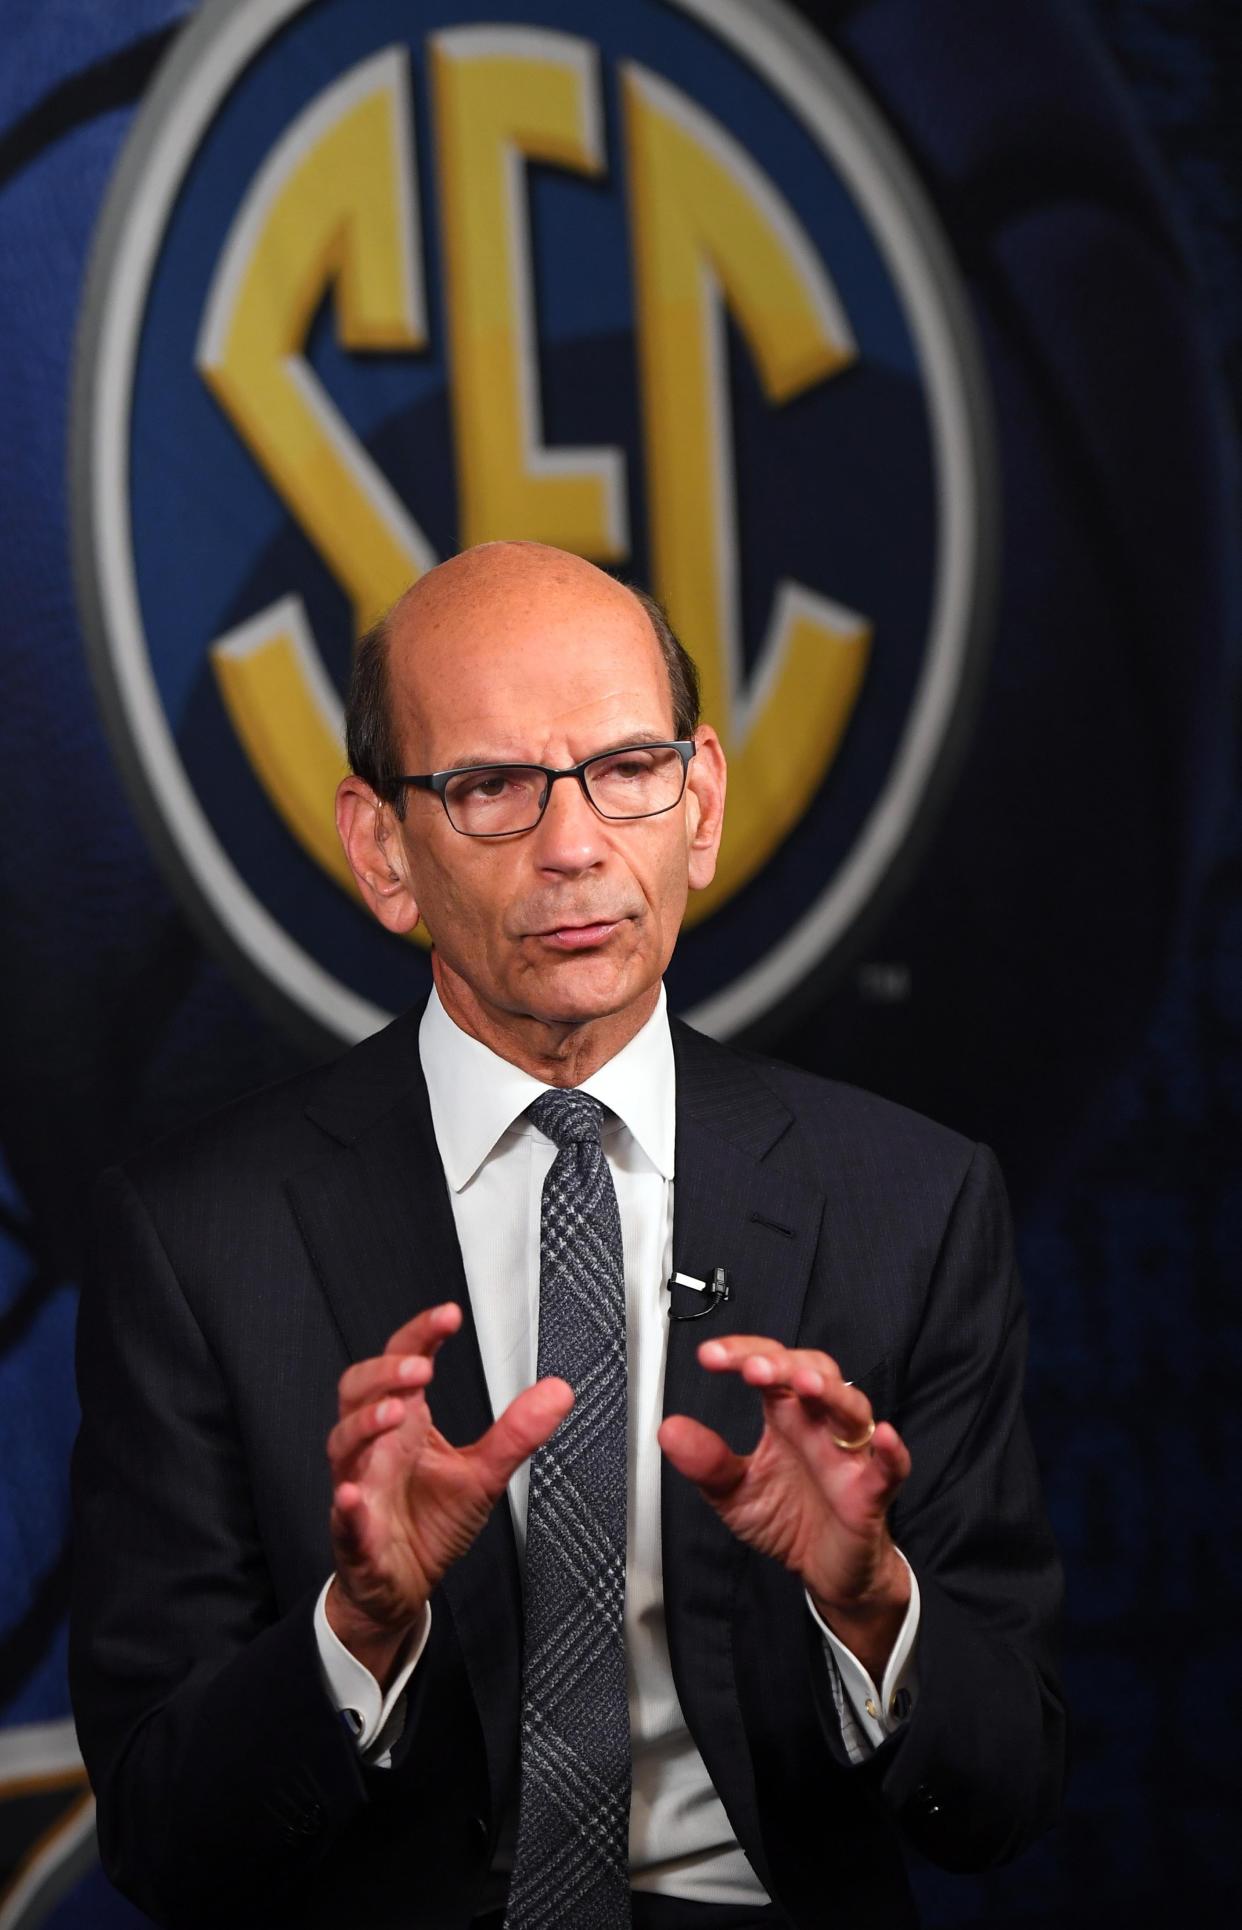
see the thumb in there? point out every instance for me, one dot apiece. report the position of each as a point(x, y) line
point(529, 1420)
point(700, 1454)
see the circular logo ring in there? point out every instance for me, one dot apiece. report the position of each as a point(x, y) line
point(816, 87)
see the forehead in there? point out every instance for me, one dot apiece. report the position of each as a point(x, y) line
point(499, 660)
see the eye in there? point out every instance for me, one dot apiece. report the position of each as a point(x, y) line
point(491, 785)
point(624, 765)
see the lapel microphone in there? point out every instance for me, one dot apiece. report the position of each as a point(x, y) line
point(715, 1289)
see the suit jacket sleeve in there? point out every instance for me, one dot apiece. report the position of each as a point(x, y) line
point(223, 1774)
point(976, 1773)
point(917, 1295)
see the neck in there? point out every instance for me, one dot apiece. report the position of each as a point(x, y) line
point(557, 1052)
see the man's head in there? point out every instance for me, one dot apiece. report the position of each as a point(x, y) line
point(518, 653)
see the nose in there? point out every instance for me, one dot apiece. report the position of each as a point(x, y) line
point(569, 835)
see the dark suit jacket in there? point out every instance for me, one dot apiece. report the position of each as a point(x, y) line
point(241, 1266)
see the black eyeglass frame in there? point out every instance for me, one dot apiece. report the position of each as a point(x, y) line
point(438, 781)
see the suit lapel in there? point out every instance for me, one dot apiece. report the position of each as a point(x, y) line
point(375, 1214)
point(376, 1217)
point(736, 1206)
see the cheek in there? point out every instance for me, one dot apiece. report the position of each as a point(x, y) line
point(665, 883)
point(675, 902)
point(461, 900)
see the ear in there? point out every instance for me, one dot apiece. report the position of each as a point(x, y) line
point(705, 797)
point(371, 835)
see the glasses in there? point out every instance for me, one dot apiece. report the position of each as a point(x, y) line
point(496, 800)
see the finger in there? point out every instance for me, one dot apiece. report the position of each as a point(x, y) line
point(370, 1380)
point(805, 1370)
point(528, 1421)
point(816, 1373)
point(891, 1455)
point(730, 1350)
point(795, 1405)
point(883, 1466)
point(700, 1454)
point(428, 1330)
point(764, 1362)
point(779, 1372)
point(845, 1409)
point(358, 1429)
point(350, 1524)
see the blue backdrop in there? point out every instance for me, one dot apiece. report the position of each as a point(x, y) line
point(1061, 976)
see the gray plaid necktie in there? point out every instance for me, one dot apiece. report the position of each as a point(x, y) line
point(571, 1865)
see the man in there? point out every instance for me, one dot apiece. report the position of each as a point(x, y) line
point(712, 1695)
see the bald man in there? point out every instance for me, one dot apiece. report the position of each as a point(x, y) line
point(333, 1687)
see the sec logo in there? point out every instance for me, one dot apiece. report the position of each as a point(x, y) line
point(376, 281)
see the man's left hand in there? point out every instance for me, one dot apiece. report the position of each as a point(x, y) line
point(800, 1497)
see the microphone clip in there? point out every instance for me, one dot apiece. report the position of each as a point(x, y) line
point(715, 1290)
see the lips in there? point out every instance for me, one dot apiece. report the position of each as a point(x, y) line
point(568, 927)
point(577, 938)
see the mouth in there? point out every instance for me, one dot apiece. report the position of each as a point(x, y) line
point(578, 938)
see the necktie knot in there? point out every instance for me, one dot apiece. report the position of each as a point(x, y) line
point(568, 1116)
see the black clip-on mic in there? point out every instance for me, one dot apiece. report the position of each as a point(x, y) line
point(716, 1288)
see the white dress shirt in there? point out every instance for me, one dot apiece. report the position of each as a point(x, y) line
point(495, 1161)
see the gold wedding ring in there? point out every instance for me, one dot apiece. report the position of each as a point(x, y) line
point(853, 1447)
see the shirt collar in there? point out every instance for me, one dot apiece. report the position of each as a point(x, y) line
point(476, 1096)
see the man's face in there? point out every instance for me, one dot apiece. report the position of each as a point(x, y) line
point(525, 655)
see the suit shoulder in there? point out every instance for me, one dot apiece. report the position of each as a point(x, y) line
point(838, 1121)
point(255, 1140)
point(241, 1136)
point(839, 1107)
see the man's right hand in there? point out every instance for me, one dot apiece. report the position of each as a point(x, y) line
point(405, 1503)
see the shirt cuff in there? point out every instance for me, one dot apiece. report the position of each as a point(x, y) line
point(375, 1720)
point(877, 1713)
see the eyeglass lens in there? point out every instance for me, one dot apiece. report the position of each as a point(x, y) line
point(634, 783)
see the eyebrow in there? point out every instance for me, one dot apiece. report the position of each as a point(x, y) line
point(468, 762)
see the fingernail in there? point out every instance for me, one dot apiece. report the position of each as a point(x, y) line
point(712, 1350)
point(408, 1367)
point(385, 1412)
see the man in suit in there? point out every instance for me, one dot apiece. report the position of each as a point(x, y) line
point(301, 1683)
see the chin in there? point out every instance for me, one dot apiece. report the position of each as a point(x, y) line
point(587, 987)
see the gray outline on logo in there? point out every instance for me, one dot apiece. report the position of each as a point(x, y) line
point(802, 69)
